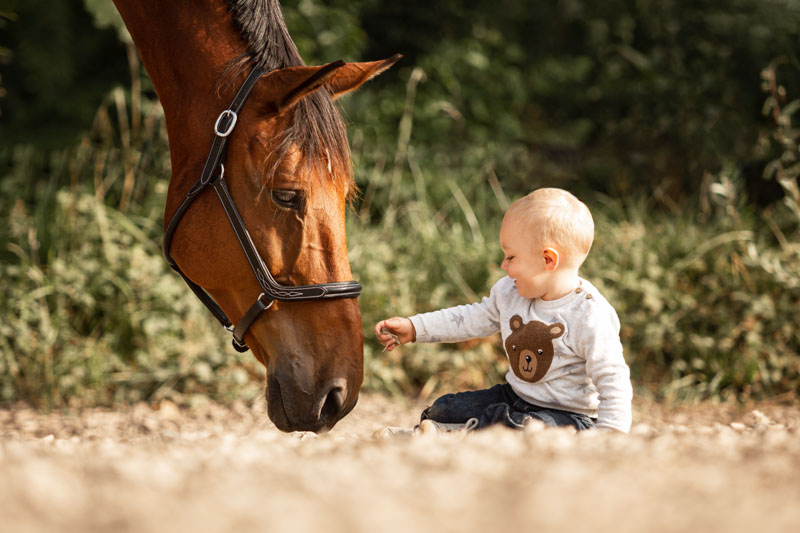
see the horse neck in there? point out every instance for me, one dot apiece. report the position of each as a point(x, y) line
point(185, 48)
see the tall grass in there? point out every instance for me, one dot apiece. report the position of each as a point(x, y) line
point(92, 315)
point(707, 295)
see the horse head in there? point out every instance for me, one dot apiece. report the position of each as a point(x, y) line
point(285, 168)
point(288, 171)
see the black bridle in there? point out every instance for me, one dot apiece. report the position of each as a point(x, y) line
point(214, 175)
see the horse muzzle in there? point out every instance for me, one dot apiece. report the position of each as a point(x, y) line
point(293, 409)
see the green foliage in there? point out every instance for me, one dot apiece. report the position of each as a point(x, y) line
point(92, 314)
point(324, 31)
point(706, 298)
point(104, 321)
point(785, 139)
point(106, 15)
point(623, 97)
point(706, 293)
point(649, 111)
point(57, 70)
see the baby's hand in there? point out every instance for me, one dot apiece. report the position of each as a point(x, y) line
point(394, 332)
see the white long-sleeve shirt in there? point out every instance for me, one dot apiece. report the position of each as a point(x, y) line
point(564, 354)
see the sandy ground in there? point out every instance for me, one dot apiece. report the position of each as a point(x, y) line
point(160, 468)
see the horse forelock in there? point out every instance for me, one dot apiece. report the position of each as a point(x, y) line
point(316, 125)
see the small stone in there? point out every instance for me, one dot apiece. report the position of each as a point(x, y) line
point(760, 418)
point(168, 410)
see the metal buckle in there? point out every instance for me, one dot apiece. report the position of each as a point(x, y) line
point(272, 301)
point(241, 348)
point(228, 131)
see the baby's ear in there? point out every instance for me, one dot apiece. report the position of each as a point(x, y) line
point(556, 330)
point(551, 258)
point(516, 322)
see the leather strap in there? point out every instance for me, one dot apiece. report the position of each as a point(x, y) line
point(262, 304)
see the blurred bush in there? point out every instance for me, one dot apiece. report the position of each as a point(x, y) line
point(706, 291)
point(92, 314)
point(650, 111)
point(705, 295)
point(55, 68)
point(622, 97)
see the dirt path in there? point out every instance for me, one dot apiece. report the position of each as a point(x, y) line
point(706, 468)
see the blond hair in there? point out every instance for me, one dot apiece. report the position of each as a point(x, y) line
point(554, 217)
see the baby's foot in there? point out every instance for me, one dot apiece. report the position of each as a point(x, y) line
point(429, 426)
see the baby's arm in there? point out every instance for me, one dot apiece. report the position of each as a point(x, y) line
point(463, 322)
point(446, 325)
point(605, 365)
point(455, 324)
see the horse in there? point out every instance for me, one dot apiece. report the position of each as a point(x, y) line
point(247, 116)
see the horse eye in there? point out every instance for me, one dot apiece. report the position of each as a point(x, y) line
point(288, 199)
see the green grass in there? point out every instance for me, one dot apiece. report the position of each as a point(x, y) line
point(707, 294)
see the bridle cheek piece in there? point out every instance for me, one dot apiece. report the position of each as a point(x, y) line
point(213, 175)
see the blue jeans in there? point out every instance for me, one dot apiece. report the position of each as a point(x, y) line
point(499, 405)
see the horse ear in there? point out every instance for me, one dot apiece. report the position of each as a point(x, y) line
point(284, 87)
point(287, 86)
point(353, 75)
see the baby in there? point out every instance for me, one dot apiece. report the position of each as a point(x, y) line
point(560, 334)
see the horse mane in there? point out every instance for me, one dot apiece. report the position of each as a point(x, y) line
point(317, 125)
point(262, 25)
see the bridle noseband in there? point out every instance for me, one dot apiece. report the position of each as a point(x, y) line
point(214, 175)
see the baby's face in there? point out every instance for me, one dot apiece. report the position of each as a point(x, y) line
point(524, 261)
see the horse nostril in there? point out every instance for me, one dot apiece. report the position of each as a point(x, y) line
point(333, 404)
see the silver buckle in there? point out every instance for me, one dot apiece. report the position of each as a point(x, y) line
point(228, 131)
point(270, 302)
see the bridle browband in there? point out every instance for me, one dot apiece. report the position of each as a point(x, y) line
point(214, 175)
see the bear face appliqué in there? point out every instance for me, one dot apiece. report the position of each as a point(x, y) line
point(530, 347)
